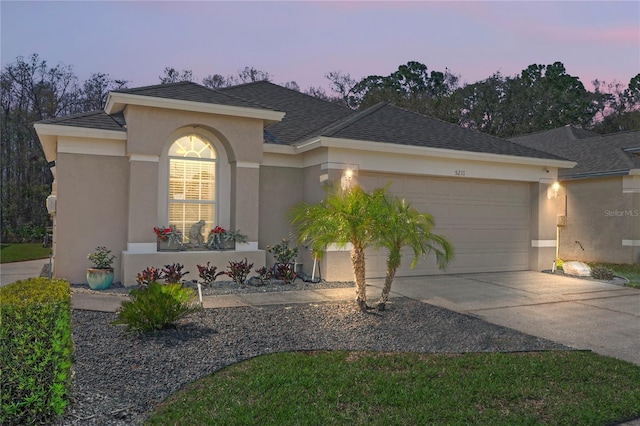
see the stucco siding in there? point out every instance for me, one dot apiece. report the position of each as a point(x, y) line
point(149, 129)
point(245, 200)
point(280, 189)
point(143, 199)
point(599, 216)
point(91, 211)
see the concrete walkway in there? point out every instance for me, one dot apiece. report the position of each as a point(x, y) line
point(582, 314)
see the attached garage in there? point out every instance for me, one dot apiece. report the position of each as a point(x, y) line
point(488, 221)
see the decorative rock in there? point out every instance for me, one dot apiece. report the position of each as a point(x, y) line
point(579, 269)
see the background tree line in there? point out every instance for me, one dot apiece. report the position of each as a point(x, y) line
point(541, 97)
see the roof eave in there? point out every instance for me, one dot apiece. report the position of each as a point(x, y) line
point(49, 134)
point(116, 102)
point(606, 173)
point(392, 148)
point(43, 129)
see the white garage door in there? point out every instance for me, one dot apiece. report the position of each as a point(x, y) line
point(487, 221)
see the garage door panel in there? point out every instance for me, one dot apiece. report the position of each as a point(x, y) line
point(487, 222)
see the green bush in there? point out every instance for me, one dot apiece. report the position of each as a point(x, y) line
point(156, 307)
point(601, 272)
point(35, 350)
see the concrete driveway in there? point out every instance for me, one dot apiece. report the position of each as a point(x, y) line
point(11, 272)
point(582, 314)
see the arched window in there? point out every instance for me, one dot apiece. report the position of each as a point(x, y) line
point(192, 183)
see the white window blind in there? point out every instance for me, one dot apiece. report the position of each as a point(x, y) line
point(192, 183)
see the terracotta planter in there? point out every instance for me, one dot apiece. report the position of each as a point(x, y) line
point(99, 279)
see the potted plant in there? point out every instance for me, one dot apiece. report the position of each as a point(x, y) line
point(169, 238)
point(100, 275)
point(221, 239)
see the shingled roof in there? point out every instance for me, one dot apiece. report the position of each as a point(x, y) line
point(596, 155)
point(92, 120)
point(307, 117)
point(390, 124)
point(305, 114)
point(193, 92)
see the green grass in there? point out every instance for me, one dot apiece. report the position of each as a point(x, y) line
point(366, 388)
point(19, 252)
point(630, 272)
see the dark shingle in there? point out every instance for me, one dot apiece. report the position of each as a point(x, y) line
point(188, 91)
point(390, 124)
point(92, 119)
point(594, 154)
point(304, 114)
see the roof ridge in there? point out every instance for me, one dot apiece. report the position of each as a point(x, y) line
point(605, 135)
point(565, 128)
point(134, 91)
point(293, 91)
point(76, 115)
point(155, 86)
point(628, 160)
point(538, 149)
point(350, 119)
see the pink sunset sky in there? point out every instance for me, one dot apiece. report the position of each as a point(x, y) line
point(304, 40)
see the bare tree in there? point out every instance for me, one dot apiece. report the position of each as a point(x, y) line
point(251, 74)
point(96, 89)
point(31, 90)
point(172, 75)
point(215, 81)
point(343, 86)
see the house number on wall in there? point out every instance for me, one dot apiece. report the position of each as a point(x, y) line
point(460, 172)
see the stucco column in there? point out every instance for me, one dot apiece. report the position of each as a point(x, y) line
point(143, 202)
point(544, 217)
point(245, 190)
point(631, 186)
point(635, 227)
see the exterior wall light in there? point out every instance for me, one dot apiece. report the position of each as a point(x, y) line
point(347, 178)
point(552, 191)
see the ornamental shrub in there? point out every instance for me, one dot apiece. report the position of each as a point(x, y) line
point(208, 273)
point(35, 350)
point(282, 253)
point(149, 275)
point(601, 272)
point(238, 271)
point(172, 274)
point(284, 272)
point(156, 307)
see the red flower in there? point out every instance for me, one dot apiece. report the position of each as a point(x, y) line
point(218, 230)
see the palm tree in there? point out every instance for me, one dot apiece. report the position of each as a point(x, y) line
point(344, 216)
point(398, 224)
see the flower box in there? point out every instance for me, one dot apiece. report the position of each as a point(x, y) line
point(225, 245)
point(169, 238)
point(169, 245)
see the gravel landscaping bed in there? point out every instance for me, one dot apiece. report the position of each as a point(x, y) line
point(229, 287)
point(119, 377)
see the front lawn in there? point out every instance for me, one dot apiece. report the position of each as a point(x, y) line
point(366, 388)
point(19, 252)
